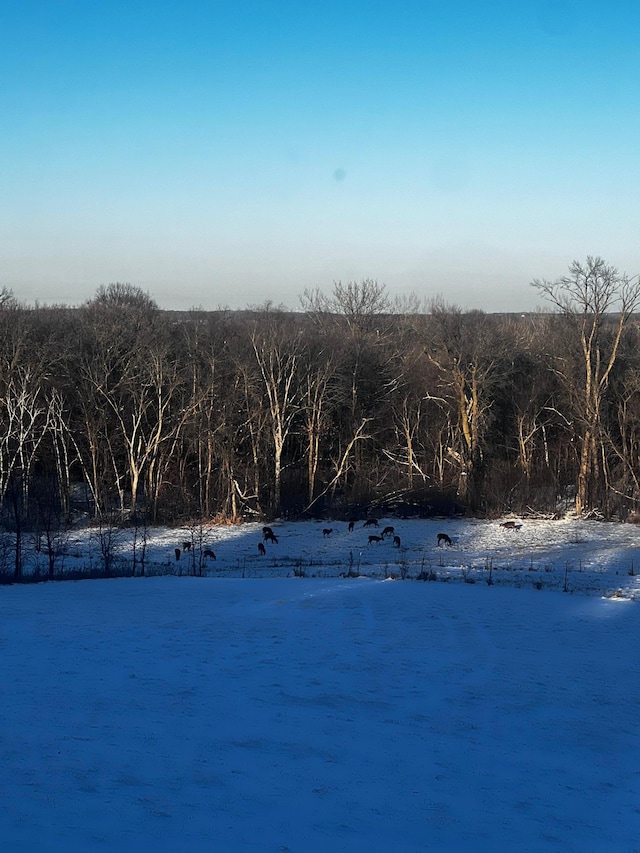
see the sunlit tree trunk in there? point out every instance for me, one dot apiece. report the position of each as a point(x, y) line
point(277, 358)
point(598, 302)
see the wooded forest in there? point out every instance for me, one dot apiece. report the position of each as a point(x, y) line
point(352, 405)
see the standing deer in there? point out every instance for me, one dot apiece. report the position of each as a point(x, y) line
point(388, 531)
point(327, 531)
point(396, 541)
point(375, 539)
point(372, 522)
point(261, 549)
point(443, 537)
point(270, 536)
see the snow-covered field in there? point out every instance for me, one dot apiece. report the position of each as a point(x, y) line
point(255, 709)
point(589, 557)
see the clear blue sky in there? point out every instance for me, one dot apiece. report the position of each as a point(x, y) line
point(228, 153)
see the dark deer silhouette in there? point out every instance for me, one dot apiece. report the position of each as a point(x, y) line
point(510, 525)
point(396, 541)
point(351, 526)
point(261, 549)
point(177, 553)
point(266, 532)
point(443, 537)
point(388, 531)
point(372, 522)
point(327, 531)
point(375, 539)
point(270, 536)
point(186, 546)
point(209, 553)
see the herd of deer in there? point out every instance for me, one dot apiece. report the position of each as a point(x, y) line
point(186, 546)
point(269, 536)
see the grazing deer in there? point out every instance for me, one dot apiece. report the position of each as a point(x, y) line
point(388, 531)
point(351, 526)
point(443, 537)
point(186, 546)
point(177, 553)
point(372, 522)
point(209, 553)
point(375, 539)
point(327, 531)
point(261, 549)
point(270, 536)
point(510, 525)
point(396, 541)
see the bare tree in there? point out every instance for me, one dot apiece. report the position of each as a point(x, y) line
point(138, 387)
point(251, 438)
point(357, 324)
point(364, 305)
point(109, 537)
point(121, 296)
point(7, 299)
point(277, 353)
point(25, 419)
point(213, 435)
point(597, 302)
point(318, 395)
point(341, 462)
point(139, 543)
point(50, 531)
point(464, 350)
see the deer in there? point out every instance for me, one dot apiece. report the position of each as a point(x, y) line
point(261, 549)
point(372, 522)
point(267, 532)
point(375, 539)
point(396, 541)
point(351, 526)
point(270, 536)
point(177, 553)
point(327, 531)
point(388, 531)
point(209, 553)
point(443, 537)
point(186, 546)
point(510, 525)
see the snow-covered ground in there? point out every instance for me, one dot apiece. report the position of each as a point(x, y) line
point(255, 709)
point(589, 557)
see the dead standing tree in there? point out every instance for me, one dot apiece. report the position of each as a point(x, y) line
point(598, 302)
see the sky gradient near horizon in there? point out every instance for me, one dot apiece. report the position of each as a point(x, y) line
point(224, 154)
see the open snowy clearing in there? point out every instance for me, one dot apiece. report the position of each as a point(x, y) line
point(589, 557)
point(328, 713)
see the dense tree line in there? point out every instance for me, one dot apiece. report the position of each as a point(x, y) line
point(118, 407)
